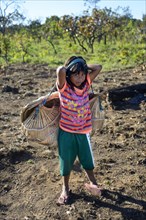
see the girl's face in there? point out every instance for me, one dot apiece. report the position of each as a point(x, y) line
point(78, 78)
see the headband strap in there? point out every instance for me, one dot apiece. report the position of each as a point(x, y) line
point(78, 60)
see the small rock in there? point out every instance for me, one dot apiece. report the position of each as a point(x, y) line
point(68, 212)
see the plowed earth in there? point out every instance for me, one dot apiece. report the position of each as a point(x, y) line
point(30, 181)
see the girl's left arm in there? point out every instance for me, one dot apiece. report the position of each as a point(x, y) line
point(94, 70)
point(61, 76)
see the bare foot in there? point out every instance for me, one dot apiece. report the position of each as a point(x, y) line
point(64, 197)
point(93, 189)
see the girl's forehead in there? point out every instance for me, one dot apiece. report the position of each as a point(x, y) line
point(78, 72)
point(81, 74)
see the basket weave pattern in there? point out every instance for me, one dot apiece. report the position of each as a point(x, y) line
point(98, 115)
point(40, 121)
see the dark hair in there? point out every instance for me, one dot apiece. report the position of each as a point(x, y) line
point(73, 65)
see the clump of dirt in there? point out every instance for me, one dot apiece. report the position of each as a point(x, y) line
point(30, 182)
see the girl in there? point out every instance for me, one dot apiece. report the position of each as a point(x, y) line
point(73, 82)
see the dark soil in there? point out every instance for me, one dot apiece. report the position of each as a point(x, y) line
point(30, 181)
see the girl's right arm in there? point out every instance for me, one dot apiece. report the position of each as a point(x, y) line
point(61, 76)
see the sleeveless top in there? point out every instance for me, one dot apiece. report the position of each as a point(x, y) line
point(75, 109)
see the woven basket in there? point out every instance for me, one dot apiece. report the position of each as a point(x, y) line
point(98, 115)
point(40, 118)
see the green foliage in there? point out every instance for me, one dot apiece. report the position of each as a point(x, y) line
point(110, 39)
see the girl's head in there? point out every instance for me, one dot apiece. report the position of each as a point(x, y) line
point(76, 71)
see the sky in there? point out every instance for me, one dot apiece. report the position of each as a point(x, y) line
point(40, 9)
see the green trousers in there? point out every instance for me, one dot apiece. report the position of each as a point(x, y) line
point(72, 145)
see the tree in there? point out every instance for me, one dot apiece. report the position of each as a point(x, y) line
point(92, 2)
point(35, 29)
point(6, 20)
point(51, 31)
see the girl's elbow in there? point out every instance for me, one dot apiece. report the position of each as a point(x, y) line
point(99, 67)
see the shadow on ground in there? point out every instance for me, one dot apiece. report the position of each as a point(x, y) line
point(114, 201)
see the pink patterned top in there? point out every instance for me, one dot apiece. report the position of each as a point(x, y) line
point(75, 109)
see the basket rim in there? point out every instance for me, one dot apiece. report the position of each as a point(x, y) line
point(35, 103)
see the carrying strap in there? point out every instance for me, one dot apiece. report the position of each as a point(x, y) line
point(99, 99)
point(44, 100)
point(53, 89)
point(92, 89)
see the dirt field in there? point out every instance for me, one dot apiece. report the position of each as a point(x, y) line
point(30, 182)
